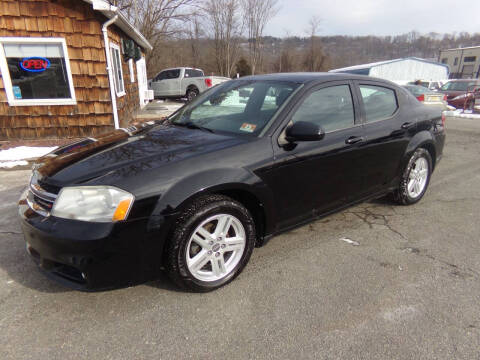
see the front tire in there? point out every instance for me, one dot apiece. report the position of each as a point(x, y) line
point(415, 178)
point(211, 243)
point(192, 93)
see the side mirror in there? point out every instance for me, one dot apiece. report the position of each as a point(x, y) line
point(304, 131)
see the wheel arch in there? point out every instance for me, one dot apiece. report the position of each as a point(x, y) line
point(245, 195)
point(192, 86)
point(423, 139)
point(250, 191)
point(253, 204)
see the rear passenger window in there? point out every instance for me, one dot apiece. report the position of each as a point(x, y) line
point(331, 108)
point(193, 73)
point(379, 102)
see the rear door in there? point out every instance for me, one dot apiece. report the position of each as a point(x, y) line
point(310, 178)
point(390, 123)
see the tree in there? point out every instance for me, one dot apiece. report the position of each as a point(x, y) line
point(226, 28)
point(257, 14)
point(243, 68)
point(314, 58)
point(158, 21)
point(194, 33)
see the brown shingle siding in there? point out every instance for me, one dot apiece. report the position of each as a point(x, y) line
point(75, 21)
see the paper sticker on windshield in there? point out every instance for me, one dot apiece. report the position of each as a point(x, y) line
point(248, 127)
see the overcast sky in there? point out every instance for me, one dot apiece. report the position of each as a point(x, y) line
point(376, 17)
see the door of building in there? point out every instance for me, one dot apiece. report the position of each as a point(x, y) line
point(142, 81)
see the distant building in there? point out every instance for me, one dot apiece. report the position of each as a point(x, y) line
point(401, 70)
point(69, 68)
point(464, 63)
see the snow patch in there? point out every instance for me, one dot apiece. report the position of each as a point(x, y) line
point(462, 114)
point(24, 152)
point(11, 164)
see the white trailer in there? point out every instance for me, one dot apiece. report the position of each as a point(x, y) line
point(401, 71)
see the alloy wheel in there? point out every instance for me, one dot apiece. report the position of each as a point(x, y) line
point(216, 247)
point(418, 178)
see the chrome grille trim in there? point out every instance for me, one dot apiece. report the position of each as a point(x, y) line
point(36, 191)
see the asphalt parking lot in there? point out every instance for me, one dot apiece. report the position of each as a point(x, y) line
point(405, 286)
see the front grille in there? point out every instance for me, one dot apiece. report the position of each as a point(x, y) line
point(39, 199)
point(47, 205)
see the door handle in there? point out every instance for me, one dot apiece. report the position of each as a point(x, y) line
point(353, 140)
point(407, 125)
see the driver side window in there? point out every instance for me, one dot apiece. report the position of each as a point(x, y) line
point(331, 108)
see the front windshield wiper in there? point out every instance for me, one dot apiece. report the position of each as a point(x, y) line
point(192, 125)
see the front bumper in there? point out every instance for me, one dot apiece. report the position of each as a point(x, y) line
point(92, 256)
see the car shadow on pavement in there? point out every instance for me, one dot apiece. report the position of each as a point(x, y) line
point(163, 282)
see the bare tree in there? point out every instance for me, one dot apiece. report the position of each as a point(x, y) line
point(226, 27)
point(257, 14)
point(158, 21)
point(194, 33)
point(315, 59)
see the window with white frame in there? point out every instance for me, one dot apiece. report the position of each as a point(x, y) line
point(117, 70)
point(36, 71)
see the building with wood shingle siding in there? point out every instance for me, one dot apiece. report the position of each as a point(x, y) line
point(69, 68)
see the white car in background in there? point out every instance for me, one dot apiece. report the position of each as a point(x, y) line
point(182, 82)
point(431, 85)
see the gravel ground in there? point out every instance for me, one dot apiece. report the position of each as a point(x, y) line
point(410, 289)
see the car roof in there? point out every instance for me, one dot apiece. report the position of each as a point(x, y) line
point(307, 77)
point(464, 80)
point(180, 68)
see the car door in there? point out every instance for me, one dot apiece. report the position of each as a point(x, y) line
point(157, 84)
point(388, 130)
point(172, 83)
point(310, 178)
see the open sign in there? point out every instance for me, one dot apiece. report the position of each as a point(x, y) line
point(35, 64)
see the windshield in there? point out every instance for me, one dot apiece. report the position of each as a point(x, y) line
point(457, 85)
point(238, 106)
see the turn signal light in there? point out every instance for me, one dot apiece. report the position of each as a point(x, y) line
point(122, 210)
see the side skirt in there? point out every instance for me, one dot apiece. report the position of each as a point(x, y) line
point(315, 217)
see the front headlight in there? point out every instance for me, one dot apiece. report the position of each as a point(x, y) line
point(93, 203)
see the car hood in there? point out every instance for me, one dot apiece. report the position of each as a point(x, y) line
point(126, 154)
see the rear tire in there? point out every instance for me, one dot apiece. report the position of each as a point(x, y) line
point(211, 243)
point(415, 178)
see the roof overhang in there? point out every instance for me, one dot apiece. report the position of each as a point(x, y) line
point(122, 22)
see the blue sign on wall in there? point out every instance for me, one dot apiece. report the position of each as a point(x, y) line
point(35, 64)
point(17, 92)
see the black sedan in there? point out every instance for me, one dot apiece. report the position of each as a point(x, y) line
point(244, 161)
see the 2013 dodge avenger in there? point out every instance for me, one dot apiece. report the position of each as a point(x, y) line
point(248, 159)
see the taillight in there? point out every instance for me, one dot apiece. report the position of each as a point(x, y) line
point(421, 97)
point(208, 82)
point(444, 117)
point(444, 97)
